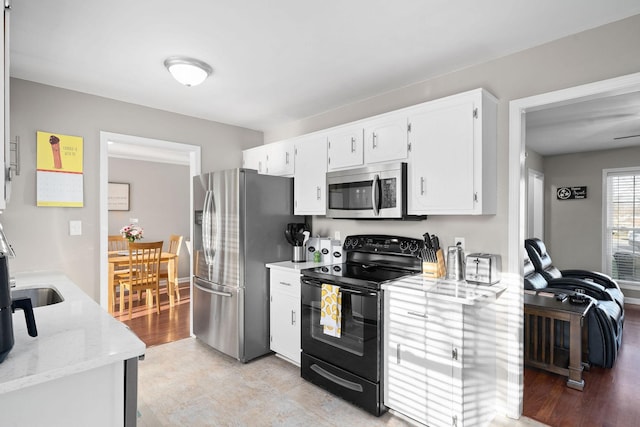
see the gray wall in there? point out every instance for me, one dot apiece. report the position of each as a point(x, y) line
point(40, 236)
point(159, 199)
point(602, 53)
point(573, 228)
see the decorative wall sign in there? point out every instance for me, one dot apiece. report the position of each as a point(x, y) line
point(59, 174)
point(571, 193)
point(118, 196)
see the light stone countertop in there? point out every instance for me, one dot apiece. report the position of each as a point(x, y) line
point(459, 292)
point(290, 265)
point(74, 336)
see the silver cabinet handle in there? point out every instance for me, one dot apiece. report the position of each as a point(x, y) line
point(285, 283)
point(373, 140)
point(422, 185)
point(293, 317)
point(415, 313)
point(397, 354)
point(286, 159)
point(318, 193)
point(353, 144)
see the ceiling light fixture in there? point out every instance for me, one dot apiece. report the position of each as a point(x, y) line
point(188, 71)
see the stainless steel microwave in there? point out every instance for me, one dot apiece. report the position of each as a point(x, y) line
point(372, 192)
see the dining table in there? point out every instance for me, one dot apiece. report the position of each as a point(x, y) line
point(120, 259)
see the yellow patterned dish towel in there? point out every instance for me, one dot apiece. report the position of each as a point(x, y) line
point(331, 310)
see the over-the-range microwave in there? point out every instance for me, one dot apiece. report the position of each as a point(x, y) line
point(372, 192)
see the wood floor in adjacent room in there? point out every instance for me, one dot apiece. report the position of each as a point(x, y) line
point(611, 397)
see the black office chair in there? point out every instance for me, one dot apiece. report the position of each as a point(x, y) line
point(604, 333)
point(597, 285)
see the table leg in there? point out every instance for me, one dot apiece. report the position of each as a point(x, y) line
point(171, 280)
point(110, 299)
point(575, 353)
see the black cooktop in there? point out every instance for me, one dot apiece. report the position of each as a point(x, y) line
point(362, 275)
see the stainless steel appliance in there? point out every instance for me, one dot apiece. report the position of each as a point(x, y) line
point(455, 263)
point(373, 192)
point(238, 227)
point(483, 268)
point(350, 365)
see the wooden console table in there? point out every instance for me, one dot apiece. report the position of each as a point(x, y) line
point(545, 345)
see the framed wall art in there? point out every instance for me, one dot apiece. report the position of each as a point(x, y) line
point(118, 196)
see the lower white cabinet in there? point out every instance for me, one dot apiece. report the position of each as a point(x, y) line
point(284, 314)
point(439, 359)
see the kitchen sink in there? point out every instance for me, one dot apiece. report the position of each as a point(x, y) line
point(39, 296)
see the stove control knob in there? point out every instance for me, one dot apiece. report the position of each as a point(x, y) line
point(404, 245)
point(413, 246)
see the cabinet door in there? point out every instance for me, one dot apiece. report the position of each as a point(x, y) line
point(255, 158)
point(280, 158)
point(345, 148)
point(405, 356)
point(285, 325)
point(5, 157)
point(441, 160)
point(385, 139)
point(310, 183)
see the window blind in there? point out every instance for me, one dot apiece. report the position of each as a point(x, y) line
point(622, 243)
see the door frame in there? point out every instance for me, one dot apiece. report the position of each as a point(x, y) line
point(533, 176)
point(516, 210)
point(138, 148)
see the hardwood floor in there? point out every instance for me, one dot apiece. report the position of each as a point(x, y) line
point(610, 397)
point(171, 324)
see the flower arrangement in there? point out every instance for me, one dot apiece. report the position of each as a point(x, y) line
point(131, 232)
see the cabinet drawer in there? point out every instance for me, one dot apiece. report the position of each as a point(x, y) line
point(285, 282)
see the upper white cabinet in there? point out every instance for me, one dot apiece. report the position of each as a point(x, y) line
point(255, 158)
point(310, 178)
point(345, 147)
point(5, 158)
point(280, 158)
point(270, 159)
point(452, 156)
point(385, 138)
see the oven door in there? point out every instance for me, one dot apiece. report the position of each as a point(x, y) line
point(372, 192)
point(358, 348)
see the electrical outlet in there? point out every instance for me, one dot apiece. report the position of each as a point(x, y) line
point(75, 228)
point(336, 235)
point(460, 240)
point(133, 220)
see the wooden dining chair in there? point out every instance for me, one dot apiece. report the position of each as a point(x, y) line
point(118, 243)
point(175, 243)
point(144, 268)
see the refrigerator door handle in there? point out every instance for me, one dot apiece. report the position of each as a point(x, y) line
point(211, 291)
point(207, 226)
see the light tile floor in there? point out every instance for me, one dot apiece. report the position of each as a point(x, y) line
point(187, 383)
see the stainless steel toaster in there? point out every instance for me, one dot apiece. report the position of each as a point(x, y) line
point(482, 268)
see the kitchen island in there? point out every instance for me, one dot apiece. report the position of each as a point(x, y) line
point(440, 350)
point(81, 369)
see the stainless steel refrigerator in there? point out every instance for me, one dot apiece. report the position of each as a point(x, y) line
point(239, 222)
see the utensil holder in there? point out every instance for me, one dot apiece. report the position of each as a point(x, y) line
point(435, 270)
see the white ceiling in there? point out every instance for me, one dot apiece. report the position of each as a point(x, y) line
point(282, 60)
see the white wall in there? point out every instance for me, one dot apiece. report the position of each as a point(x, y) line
point(159, 200)
point(40, 236)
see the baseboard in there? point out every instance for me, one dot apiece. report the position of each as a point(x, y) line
point(634, 301)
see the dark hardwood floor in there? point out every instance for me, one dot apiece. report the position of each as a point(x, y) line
point(611, 397)
point(171, 324)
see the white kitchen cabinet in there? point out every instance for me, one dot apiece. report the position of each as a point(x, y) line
point(5, 158)
point(284, 314)
point(385, 138)
point(255, 158)
point(280, 158)
point(310, 181)
point(345, 147)
point(439, 358)
point(452, 156)
point(270, 159)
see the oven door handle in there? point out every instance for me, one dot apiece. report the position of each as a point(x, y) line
point(336, 379)
point(342, 289)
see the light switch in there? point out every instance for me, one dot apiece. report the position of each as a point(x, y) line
point(75, 228)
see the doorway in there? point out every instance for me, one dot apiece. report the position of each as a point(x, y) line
point(138, 148)
point(517, 203)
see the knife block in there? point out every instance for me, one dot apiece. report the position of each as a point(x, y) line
point(435, 270)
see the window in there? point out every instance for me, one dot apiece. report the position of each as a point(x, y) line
point(622, 211)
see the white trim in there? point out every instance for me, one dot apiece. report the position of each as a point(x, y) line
point(517, 109)
point(184, 154)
